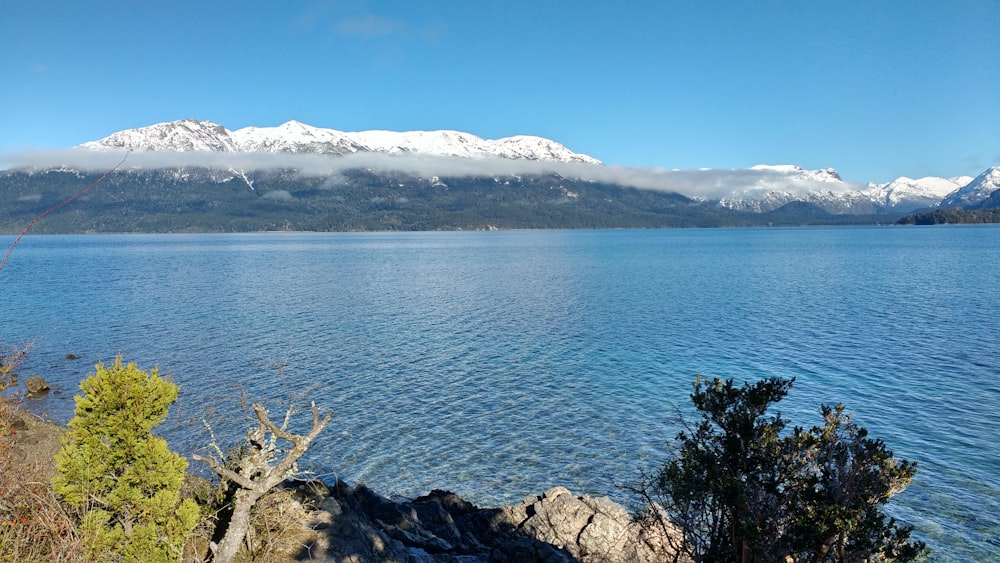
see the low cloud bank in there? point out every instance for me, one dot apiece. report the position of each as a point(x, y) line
point(704, 183)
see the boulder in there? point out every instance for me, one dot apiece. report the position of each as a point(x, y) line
point(36, 385)
point(557, 518)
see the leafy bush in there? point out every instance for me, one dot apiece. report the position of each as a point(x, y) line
point(740, 488)
point(125, 481)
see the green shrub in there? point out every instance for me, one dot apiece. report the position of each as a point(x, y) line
point(740, 488)
point(125, 481)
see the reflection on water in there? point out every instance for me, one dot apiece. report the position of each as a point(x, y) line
point(499, 364)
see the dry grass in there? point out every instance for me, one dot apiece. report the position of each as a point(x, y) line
point(279, 528)
point(34, 524)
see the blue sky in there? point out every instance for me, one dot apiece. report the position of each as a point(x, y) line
point(876, 89)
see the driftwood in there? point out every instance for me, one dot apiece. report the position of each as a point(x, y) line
point(257, 471)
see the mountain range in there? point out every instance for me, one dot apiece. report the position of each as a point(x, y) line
point(188, 173)
point(764, 188)
point(298, 138)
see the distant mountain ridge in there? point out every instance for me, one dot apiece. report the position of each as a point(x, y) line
point(298, 138)
point(924, 192)
point(780, 185)
point(760, 189)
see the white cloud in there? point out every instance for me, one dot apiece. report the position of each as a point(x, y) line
point(279, 195)
point(705, 183)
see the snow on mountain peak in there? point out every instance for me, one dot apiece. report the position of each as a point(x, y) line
point(769, 186)
point(297, 137)
point(183, 135)
point(922, 192)
point(437, 143)
point(294, 137)
point(798, 173)
point(976, 191)
point(538, 148)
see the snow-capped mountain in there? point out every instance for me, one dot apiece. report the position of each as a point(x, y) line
point(976, 191)
point(761, 188)
point(906, 194)
point(295, 137)
point(778, 185)
point(766, 187)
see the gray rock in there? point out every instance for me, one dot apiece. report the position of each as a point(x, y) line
point(36, 385)
point(331, 506)
point(603, 538)
point(557, 519)
point(433, 516)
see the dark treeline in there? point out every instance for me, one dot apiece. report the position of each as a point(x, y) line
point(952, 216)
point(198, 201)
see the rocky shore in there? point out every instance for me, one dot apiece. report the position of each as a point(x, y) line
point(355, 524)
point(341, 523)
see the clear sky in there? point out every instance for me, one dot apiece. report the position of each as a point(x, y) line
point(874, 88)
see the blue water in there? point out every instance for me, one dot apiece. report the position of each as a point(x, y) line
point(500, 364)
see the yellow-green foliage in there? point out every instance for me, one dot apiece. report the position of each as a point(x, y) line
point(125, 480)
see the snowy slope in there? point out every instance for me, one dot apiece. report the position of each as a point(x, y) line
point(437, 143)
point(907, 193)
point(768, 187)
point(977, 191)
point(299, 138)
point(184, 135)
point(538, 148)
point(295, 137)
point(829, 200)
point(797, 173)
point(777, 185)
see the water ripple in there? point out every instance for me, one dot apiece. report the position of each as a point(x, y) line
point(499, 364)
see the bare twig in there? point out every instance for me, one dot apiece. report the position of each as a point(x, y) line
point(31, 223)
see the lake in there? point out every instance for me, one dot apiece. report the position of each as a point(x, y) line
point(499, 364)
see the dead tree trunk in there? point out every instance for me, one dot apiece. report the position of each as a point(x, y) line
point(257, 472)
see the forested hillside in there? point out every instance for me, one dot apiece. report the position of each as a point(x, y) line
point(200, 201)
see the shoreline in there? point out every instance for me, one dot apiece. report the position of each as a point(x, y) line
point(339, 522)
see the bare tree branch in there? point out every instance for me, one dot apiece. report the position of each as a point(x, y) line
point(258, 472)
point(223, 471)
